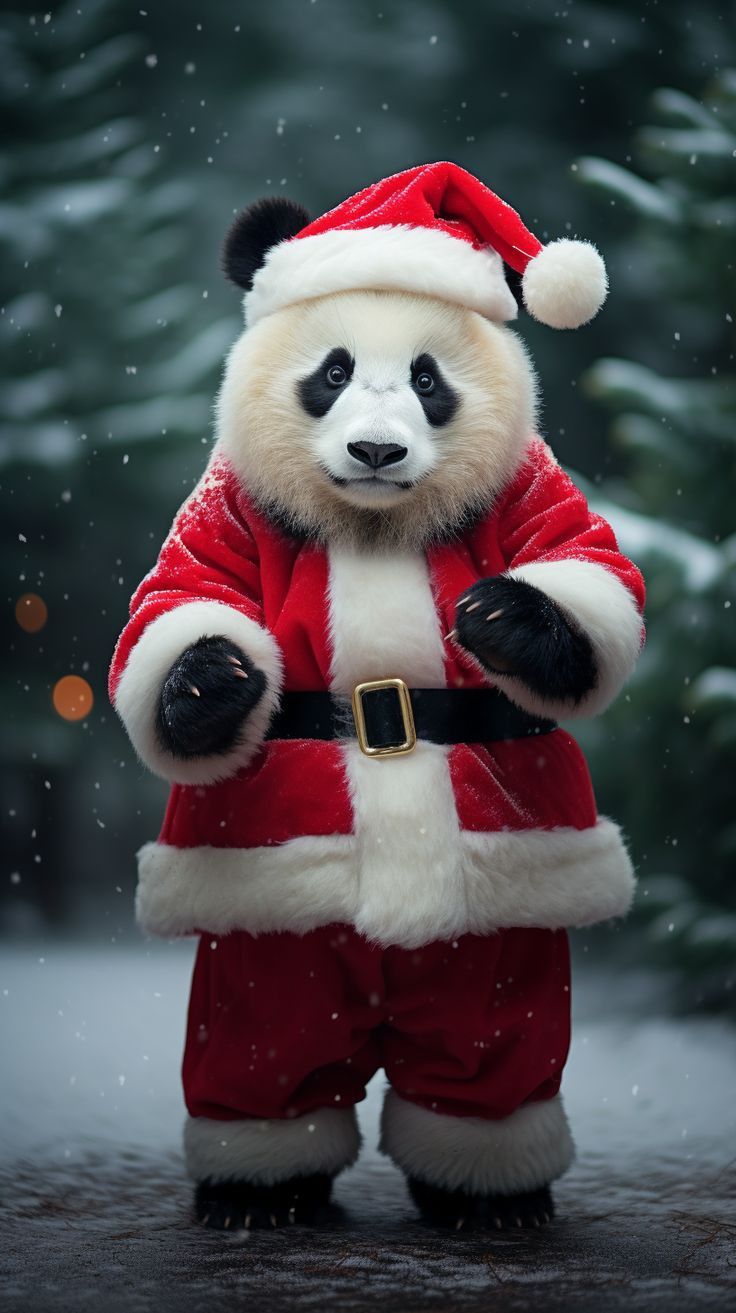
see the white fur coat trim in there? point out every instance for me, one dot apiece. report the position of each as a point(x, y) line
point(522, 1152)
point(272, 1150)
point(383, 623)
point(544, 878)
point(139, 688)
point(394, 258)
point(604, 609)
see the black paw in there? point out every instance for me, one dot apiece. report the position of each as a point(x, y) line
point(206, 696)
point(234, 1205)
point(513, 628)
point(470, 1212)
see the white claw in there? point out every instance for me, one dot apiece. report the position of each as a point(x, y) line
point(292, 1214)
point(452, 634)
point(240, 674)
point(235, 661)
point(495, 614)
point(273, 1221)
point(247, 1222)
point(473, 607)
point(193, 689)
point(227, 1222)
point(460, 1223)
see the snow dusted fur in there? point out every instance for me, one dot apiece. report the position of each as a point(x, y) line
point(285, 457)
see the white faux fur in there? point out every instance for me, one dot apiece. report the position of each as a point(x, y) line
point(545, 878)
point(407, 841)
point(268, 1151)
point(552, 878)
point(383, 620)
point(604, 609)
point(296, 886)
point(522, 1152)
point(397, 257)
point(566, 284)
point(383, 623)
point(139, 688)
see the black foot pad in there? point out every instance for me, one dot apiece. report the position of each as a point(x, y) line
point(477, 1212)
point(232, 1205)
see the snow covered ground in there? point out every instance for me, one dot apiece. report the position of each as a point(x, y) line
point(94, 1203)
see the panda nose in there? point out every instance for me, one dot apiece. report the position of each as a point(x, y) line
point(377, 454)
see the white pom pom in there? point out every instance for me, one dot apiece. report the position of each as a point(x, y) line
point(566, 284)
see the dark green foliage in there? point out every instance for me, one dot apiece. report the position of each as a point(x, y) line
point(665, 757)
point(111, 356)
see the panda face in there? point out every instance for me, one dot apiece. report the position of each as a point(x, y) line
point(375, 414)
point(377, 402)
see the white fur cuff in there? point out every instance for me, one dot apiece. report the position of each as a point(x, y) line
point(139, 689)
point(604, 609)
point(267, 1151)
point(522, 1152)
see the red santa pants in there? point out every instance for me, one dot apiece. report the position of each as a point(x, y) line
point(284, 1032)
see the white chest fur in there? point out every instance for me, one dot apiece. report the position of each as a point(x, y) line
point(383, 623)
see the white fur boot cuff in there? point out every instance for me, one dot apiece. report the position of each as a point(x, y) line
point(522, 1152)
point(266, 1151)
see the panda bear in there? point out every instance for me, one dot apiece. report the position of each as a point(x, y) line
point(350, 661)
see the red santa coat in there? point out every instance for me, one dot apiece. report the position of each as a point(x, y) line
point(447, 840)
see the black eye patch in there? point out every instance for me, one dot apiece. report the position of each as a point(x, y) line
point(439, 400)
point(320, 390)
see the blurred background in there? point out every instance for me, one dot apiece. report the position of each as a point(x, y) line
point(131, 135)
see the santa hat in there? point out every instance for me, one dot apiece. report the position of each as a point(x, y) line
point(433, 229)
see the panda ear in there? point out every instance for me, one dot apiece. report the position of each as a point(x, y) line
point(514, 283)
point(255, 231)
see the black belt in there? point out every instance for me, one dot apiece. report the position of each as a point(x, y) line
point(387, 717)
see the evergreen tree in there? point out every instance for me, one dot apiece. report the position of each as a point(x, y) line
point(111, 365)
point(665, 757)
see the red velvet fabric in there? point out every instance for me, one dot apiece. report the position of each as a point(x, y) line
point(283, 1024)
point(221, 547)
point(439, 197)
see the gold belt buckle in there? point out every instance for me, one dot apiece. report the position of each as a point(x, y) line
point(407, 716)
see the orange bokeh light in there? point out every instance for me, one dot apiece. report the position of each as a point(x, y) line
point(31, 612)
point(73, 697)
